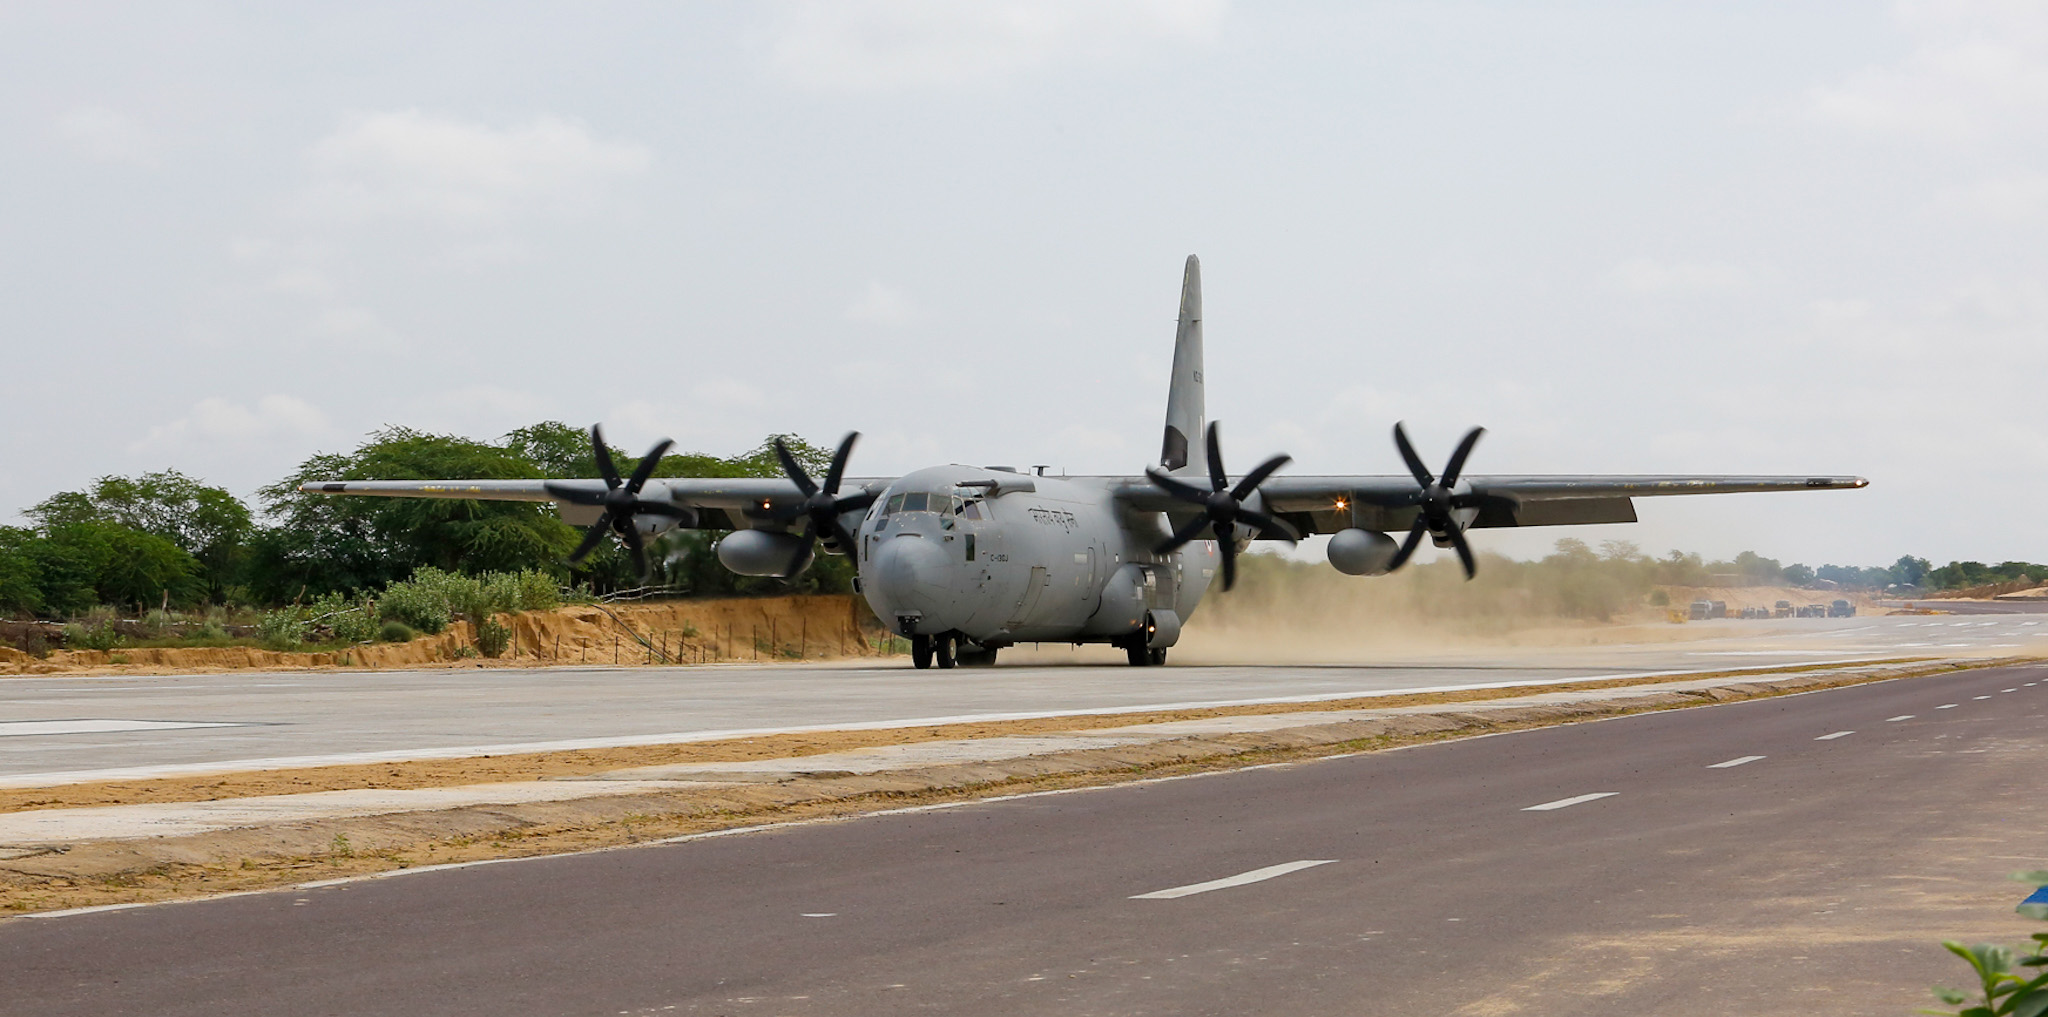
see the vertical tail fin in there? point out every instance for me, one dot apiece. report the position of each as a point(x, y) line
point(1184, 411)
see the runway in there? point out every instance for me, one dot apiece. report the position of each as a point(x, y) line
point(77, 728)
point(1801, 853)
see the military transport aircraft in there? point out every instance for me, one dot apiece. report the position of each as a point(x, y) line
point(964, 561)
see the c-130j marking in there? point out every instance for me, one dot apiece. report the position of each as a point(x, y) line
point(965, 561)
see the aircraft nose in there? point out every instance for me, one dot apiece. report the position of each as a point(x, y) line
point(911, 575)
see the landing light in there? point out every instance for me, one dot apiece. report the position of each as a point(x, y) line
point(1341, 503)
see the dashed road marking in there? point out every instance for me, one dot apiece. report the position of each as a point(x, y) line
point(1832, 737)
point(1564, 803)
point(2008, 690)
point(1900, 717)
point(1980, 697)
point(1737, 761)
point(1242, 878)
point(1947, 706)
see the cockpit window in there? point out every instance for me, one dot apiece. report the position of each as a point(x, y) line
point(972, 510)
point(914, 502)
point(894, 505)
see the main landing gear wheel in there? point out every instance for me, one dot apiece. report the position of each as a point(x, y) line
point(1158, 657)
point(1137, 654)
point(921, 652)
point(942, 648)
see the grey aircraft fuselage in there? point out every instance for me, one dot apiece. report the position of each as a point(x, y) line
point(1060, 561)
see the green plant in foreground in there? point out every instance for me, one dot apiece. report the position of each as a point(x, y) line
point(395, 631)
point(2002, 991)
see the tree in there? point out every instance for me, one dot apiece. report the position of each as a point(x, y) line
point(1799, 575)
point(322, 544)
point(1910, 571)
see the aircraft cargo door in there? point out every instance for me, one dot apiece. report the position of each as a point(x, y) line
point(1040, 578)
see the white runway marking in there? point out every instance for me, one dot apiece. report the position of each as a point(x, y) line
point(1737, 761)
point(1242, 878)
point(1564, 803)
point(819, 914)
point(1980, 697)
point(1946, 706)
point(63, 727)
point(1832, 737)
point(2008, 690)
point(1900, 717)
point(2030, 685)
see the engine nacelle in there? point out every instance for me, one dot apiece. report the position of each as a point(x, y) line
point(1359, 552)
point(761, 553)
point(1162, 629)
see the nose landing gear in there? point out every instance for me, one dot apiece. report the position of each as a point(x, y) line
point(924, 650)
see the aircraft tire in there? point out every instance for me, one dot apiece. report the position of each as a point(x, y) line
point(1138, 655)
point(942, 649)
point(1157, 657)
point(921, 652)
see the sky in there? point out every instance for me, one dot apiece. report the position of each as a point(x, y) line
point(1737, 237)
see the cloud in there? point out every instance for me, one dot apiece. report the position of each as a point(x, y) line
point(1974, 69)
point(883, 305)
point(216, 421)
point(2020, 198)
point(883, 44)
point(1649, 278)
point(106, 135)
point(412, 165)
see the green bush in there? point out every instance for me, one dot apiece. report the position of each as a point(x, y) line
point(418, 602)
point(351, 622)
point(395, 631)
point(283, 629)
point(492, 638)
point(95, 632)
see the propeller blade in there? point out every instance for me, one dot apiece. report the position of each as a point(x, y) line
point(1258, 476)
point(591, 539)
point(1216, 474)
point(1270, 524)
point(1464, 551)
point(572, 495)
point(647, 464)
point(1188, 531)
point(1457, 464)
point(1421, 472)
point(1408, 545)
point(638, 548)
point(846, 540)
point(838, 470)
point(803, 551)
point(855, 502)
point(605, 468)
point(1229, 549)
point(794, 469)
point(1180, 490)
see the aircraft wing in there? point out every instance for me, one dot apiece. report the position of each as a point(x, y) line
point(715, 503)
point(1329, 504)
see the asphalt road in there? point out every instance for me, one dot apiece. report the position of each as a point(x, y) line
point(1814, 875)
point(141, 725)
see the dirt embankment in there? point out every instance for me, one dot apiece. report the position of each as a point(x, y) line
point(678, 631)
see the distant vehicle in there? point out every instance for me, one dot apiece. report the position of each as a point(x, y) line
point(1841, 609)
point(1816, 610)
point(1753, 613)
point(1699, 610)
point(1803, 611)
point(1720, 609)
point(1783, 609)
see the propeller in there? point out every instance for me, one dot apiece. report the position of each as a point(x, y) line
point(1222, 506)
point(822, 505)
point(1436, 500)
point(621, 501)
